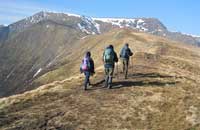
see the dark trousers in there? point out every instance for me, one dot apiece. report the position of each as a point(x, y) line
point(87, 79)
point(125, 66)
point(109, 75)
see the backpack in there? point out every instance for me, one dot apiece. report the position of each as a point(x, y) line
point(125, 53)
point(109, 56)
point(85, 66)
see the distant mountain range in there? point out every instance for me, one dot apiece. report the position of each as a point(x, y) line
point(90, 25)
point(40, 43)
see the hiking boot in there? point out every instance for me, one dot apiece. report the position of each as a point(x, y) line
point(85, 87)
point(89, 84)
point(105, 85)
point(109, 86)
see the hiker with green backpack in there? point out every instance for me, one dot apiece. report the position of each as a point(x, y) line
point(87, 67)
point(124, 56)
point(109, 59)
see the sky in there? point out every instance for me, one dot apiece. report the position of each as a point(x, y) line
point(176, 15)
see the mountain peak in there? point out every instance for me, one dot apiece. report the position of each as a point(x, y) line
point(90, 25)
point(3, 25)
point(46, 13)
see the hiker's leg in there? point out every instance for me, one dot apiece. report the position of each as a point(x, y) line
point(85, 82)
point(111, 71)
point(126, 72)
point(106, 76)
point(87, 76)
point(123, 61)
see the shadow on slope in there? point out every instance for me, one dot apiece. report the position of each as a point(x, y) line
point(139, 79)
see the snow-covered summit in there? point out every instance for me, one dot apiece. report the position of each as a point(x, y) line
point(42, 16)
point(141, 24)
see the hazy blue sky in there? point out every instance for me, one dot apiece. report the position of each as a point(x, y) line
point(177, 15)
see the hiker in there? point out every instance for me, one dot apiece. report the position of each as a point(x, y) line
point(87, 67)
point(109, 59)
point(124, 56)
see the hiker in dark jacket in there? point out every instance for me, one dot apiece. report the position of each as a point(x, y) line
point(124, 56)
point(109, 59)
point(87, 67)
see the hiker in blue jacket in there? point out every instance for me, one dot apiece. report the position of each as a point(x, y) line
point(87, 67)
point(109, 59)
point(124, 56)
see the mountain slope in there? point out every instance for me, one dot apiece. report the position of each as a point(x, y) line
point(36, 45)
point(36, 48)
point(161, 92)
point(32, 49)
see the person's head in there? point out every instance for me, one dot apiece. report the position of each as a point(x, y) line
point(111, 46)
point(126, 44)
point(88, 54)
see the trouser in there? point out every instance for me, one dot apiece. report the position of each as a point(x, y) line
point(125, 66)
point(87, 79)
point(109, 75)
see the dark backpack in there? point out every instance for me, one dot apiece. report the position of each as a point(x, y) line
point(125, 53)
point(85, 66)
point(109, 56)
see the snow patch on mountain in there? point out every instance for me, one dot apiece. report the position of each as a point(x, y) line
point(74, 15)
point(89, 26)
point(196, 36)
point(97, 27)
point(37, 72)
point(123, 22)
point(116, 21)
point(83, 29)
point(37, 18)
point(65, 13)
point(140, 21)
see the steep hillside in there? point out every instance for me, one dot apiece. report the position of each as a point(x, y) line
point(35, 45)
point(3, 34)
point(33, 51)
point(161, 93)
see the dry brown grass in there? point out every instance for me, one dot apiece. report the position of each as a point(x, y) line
point(161, 93)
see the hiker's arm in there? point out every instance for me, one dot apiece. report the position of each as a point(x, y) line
point(103, 57)
point(130, 52)
point(92, 66)
point(81, 71)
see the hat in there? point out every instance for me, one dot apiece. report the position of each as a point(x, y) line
point(88, 53)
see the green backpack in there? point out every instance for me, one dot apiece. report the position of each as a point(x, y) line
point(109, 56)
